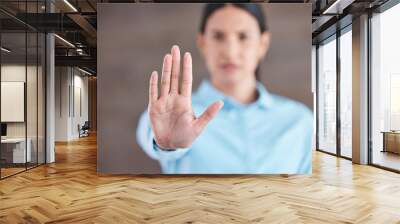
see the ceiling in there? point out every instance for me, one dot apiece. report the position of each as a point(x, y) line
point(76, 22)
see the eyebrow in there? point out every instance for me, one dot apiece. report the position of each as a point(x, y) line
point(221, 31)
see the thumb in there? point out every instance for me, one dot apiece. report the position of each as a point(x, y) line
point(208, 115)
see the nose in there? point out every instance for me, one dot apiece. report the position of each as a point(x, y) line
point(230, 49)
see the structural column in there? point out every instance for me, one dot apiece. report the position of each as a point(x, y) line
point(50, 92)
point(360, 90)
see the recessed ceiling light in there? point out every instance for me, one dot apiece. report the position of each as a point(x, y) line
point(84, 71)
point(64, 40)
point(5, 50)
point(70, 5)
point(337, 7)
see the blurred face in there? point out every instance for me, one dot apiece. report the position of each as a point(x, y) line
point(232, 45)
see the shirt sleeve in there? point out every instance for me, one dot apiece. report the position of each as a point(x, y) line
point(145, 138)
point(306, 164)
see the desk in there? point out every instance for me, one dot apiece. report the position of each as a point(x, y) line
point(15, 148)
point(391, 141)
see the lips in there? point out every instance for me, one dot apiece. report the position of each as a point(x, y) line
point(229, 66)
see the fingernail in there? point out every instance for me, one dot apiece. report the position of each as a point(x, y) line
point(221, 104)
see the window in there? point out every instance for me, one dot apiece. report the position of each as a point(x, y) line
point(327, 95)
point(346, 92)
point(385, 88)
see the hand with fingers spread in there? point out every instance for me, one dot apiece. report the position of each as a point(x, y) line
point(172, 118)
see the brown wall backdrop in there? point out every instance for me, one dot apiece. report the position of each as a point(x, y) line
point(132, 40)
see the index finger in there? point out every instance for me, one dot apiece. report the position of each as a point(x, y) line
point(153, 88)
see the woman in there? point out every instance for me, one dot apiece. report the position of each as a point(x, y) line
point(232, 124)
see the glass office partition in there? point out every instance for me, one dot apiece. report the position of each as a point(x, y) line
point(35, 99)
point(32, 95)
point(22, 101)
point(346, 92)
point(14, 153)
point(385, 89)
point(41, 87)
point(40, 7)
point(327, 95)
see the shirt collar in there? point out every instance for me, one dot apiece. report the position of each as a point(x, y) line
point(210, 94)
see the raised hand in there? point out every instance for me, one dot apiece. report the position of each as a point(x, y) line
point(172, 119)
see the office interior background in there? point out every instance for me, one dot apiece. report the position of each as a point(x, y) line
point(48, 90)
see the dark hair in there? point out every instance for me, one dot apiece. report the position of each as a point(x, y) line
point(253, 9)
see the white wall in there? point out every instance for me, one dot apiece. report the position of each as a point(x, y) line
point(79, 112)
point(62, 81)
point(16, 73)
point(33, 126)
point(70, 84)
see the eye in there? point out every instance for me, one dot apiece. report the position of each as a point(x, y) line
point(218, 36)
point(243, 36)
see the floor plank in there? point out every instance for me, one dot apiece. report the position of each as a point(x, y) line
point(70, 191)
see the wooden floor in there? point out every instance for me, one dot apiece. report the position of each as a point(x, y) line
point(9, 171)
point(5, 172)
point(70, 191)
point(387, 159)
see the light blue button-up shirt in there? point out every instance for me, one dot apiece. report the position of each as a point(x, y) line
point(272, 135)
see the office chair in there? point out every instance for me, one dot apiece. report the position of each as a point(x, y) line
point(84, 130)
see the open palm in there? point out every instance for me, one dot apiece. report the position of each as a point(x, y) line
point(172, 119)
